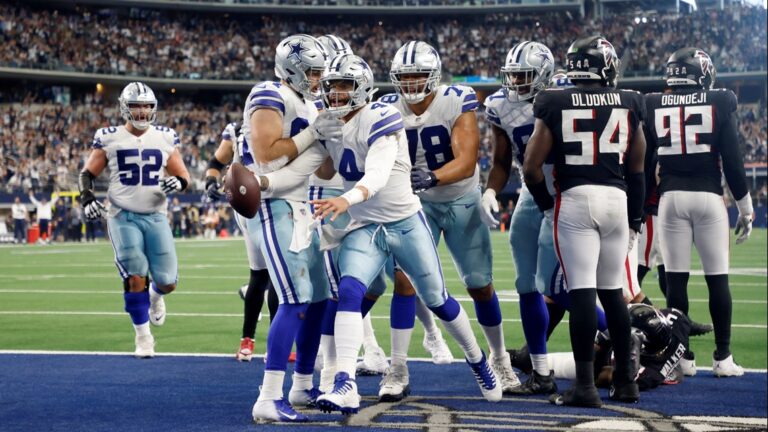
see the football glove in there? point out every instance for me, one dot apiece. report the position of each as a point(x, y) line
point(213, 188)
point(549, 215)
point(326, 127)
point(743, 226)
point(489, 206)
point(172, 184)
point(632, 239)
point(92, 208)
point(422, 180)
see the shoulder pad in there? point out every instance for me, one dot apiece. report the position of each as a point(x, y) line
point(381, 119)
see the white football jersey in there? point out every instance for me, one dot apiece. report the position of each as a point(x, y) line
point(136, 166)
point(230, 132)
point(395, 201)
point(429, 136)
point(297, 112)
point(517, 120)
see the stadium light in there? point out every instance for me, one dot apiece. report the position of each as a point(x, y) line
point(99, 87)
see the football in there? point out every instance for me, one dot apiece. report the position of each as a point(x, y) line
point(243, 192)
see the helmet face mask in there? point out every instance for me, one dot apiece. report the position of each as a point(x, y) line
point(690, 67)
point(592, 59)
point(415, 71)
point(138, 105)
point(526, 71)
point(298, 58)
point(346, 85)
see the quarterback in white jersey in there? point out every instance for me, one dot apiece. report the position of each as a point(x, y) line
point(443, 140)
point(372, 157)
point(145, 166)
point(527, 70)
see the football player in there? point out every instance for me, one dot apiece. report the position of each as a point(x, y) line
point(259, 282)
point(694, 129)
point(280, 121)
point(145, 167)
point(372, 157)
point(527, 70)
point(600, 192)
point(443, 140)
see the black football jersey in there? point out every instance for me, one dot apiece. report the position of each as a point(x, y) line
point(592, 130)
point(692, 131)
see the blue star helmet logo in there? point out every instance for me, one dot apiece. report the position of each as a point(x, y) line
point(362, 64)
point(544, 56)
point(296, 50)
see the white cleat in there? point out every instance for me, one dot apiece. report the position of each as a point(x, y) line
point(395, 385)
point(327, 376)
point(145, 346)
point(502, 366)
point(374, 362)
point(486, 379)
point(279, 410)
point(156, 308)
point(344, 396)
point(437, 348)
point(726, 368)
point(688, 367)
point(304, 398)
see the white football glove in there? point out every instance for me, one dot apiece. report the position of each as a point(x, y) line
point(94, 210)
point(743, 226)
point(171, 184)
point(632, 240)
point(549, 215)
point(327, 127)
point(489, 206)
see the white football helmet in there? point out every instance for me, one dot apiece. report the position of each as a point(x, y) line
point(297, 55)
point(347, 67)
point(137, 93)
point(416, 57)
point(560, 80)
point(535, 62)
point(334, 45)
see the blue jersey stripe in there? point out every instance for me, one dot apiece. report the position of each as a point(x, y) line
point(469, 106)
point(266, 93)
point(384, 122)
point(470, 97)
point(389, 130)
point(271, 103)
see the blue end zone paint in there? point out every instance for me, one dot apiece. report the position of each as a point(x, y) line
point(88, 392)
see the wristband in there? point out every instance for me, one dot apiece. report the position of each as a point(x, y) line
point(304, 139)
point(354, 196)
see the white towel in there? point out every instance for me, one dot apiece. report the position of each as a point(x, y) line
point(304, 226)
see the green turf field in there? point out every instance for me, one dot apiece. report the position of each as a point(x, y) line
point(69, 297)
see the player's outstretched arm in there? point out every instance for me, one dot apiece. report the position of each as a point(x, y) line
point(274, 151)
point(465, 141)
point(295, 173)
point(536, 152)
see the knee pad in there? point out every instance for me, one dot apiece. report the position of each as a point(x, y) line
point(448, 311)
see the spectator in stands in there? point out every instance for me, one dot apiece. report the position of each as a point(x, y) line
point(76, 222)
point(59, 220)
point(44, 215)
point(176, 217)
point(19, 213)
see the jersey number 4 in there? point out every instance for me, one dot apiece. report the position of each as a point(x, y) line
point(132, 173)
point(614, 137)
point(677, 135)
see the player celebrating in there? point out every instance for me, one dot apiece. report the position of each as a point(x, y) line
point(443, 139)
point(527, 70)
point(588, 128)
point(145, 167)
point(695, 128)
point(280, 121)
point(258, 282)
point(372, 157)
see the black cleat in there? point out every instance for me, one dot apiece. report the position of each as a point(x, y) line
point(521, 359)
point(627, 393)
point(698, 329)
point(585, 397)
point(537, 384)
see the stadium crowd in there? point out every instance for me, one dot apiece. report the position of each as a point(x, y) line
point(178, 44)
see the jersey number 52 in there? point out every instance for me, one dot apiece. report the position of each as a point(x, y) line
point(132, 173)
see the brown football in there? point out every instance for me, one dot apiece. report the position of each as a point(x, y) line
point(243, 191)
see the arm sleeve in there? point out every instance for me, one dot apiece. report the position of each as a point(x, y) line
point(733, 163)
point(34, 200)
point(296, 173)
point(378, 164)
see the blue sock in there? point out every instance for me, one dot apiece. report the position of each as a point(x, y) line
point(308, 338)
point(282, 333)
point(602, 323)
point(448, 311)
point(402, 311)
point(137, 306)
point(329, 317)
point(488, 312)
point(366, 305)
point(535, 318)
point(351, 293)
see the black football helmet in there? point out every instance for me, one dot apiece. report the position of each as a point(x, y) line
point(690, 67)
point(592, 58)
point(653, 325)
